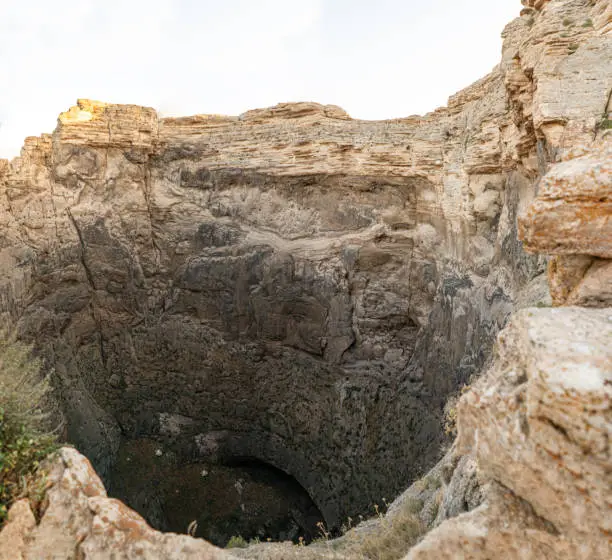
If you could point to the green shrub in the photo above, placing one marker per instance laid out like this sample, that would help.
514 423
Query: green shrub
236 542
435 507
432 482
24 442
588 23
605 124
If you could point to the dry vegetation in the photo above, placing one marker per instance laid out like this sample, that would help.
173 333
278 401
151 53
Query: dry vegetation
392 538
382 538
24 439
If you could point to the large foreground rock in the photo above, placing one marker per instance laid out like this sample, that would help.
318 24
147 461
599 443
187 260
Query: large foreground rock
539 424
80 521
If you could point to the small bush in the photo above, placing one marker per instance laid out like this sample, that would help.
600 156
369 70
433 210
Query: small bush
435 507
24 443
432 482
567 22
236 542
588 23
572 48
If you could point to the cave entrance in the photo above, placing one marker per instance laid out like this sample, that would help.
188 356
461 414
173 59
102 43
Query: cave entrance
242 497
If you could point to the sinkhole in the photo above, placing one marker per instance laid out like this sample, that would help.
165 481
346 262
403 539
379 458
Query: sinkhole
241 497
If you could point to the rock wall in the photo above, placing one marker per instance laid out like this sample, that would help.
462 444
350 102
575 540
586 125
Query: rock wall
536 426
293 285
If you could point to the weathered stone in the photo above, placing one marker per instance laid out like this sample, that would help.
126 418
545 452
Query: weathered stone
20 522
289 272
503 527
595 290
80 521
291 282
565 272
580 280
538 423
572 213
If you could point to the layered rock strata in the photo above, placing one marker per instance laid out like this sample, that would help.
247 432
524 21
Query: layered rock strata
292 285
538 423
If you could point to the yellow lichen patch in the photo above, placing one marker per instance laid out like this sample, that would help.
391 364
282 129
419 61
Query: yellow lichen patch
75 114
85 110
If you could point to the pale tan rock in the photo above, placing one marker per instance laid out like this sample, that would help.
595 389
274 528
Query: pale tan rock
572 213
595 289
565 272
66 520
121 229
580 280
20 522
118 216
537 4
80 521
102 124
571 218
119 532
539 421
504 527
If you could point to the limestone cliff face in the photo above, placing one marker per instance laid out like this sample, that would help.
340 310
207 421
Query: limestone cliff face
536 426
293 285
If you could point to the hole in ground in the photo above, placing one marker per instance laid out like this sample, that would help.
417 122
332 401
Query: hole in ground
242 497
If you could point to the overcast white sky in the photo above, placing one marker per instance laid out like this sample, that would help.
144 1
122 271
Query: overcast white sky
375 58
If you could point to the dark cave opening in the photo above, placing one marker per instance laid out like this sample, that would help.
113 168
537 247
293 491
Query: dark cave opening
241 497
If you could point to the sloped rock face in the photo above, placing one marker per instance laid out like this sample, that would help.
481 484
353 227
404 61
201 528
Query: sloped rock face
291 285
538 424
555 401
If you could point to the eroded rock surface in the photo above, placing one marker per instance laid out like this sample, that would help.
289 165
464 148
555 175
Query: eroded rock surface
571 218
79 521
538 424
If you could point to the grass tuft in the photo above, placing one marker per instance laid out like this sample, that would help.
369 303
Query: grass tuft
393 539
